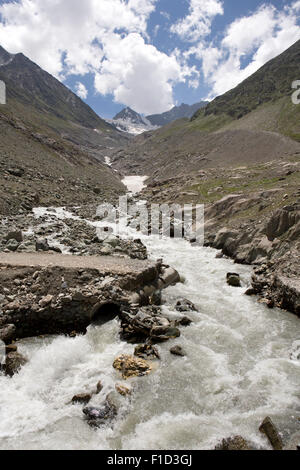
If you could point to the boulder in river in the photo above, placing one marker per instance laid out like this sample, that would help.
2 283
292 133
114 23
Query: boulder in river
99 416
233 443
7 333
82 398
123 390
130 366
185 305
14 362
269 429
233 280
184 321
146 351
164 333
177 351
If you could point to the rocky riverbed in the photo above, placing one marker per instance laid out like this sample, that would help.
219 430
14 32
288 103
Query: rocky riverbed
200 366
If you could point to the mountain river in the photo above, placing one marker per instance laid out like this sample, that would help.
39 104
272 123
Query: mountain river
240 366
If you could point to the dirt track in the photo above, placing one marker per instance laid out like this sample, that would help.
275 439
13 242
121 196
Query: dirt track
104 264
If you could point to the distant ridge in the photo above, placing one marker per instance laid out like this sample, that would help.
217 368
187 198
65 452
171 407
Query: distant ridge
131 122
178 112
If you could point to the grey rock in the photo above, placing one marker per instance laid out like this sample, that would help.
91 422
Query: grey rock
12 245
177 351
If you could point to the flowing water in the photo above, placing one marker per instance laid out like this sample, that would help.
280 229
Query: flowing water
239 368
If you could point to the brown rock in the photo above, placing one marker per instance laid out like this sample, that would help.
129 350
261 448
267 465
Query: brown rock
99 387
130 366
123 390
82 398
146 351
45 301
7 333
233 443
269 429
14 362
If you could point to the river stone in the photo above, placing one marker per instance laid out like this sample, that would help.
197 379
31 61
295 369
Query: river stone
82 398
233 280
233 443
177 351
14 362
269 429
123 390
251 291
7 333
184 321
130 366
185 305
146 351
100 416
99 387
160 334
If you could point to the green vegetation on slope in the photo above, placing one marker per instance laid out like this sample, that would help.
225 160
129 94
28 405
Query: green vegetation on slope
261 102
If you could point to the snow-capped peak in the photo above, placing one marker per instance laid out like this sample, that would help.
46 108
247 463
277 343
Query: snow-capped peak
131 122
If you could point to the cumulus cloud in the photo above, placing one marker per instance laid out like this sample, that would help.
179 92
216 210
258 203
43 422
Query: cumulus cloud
198 22
257 38
138 75
81 90
107 39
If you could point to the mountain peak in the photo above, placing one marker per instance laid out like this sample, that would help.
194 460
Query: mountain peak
5 57
128 113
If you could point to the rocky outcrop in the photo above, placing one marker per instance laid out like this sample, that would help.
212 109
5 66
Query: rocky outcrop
49 294
147 324
273 245
268 428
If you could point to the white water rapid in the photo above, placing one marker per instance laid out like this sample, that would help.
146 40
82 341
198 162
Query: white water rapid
238 369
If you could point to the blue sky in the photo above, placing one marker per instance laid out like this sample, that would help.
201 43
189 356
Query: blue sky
149 54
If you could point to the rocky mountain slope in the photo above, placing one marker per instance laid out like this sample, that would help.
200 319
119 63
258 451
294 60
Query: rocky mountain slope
47 106
226 132
51 142
178 112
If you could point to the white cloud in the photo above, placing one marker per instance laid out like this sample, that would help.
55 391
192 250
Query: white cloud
258 38
106 38
296 6
81 90
139 75
198 22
